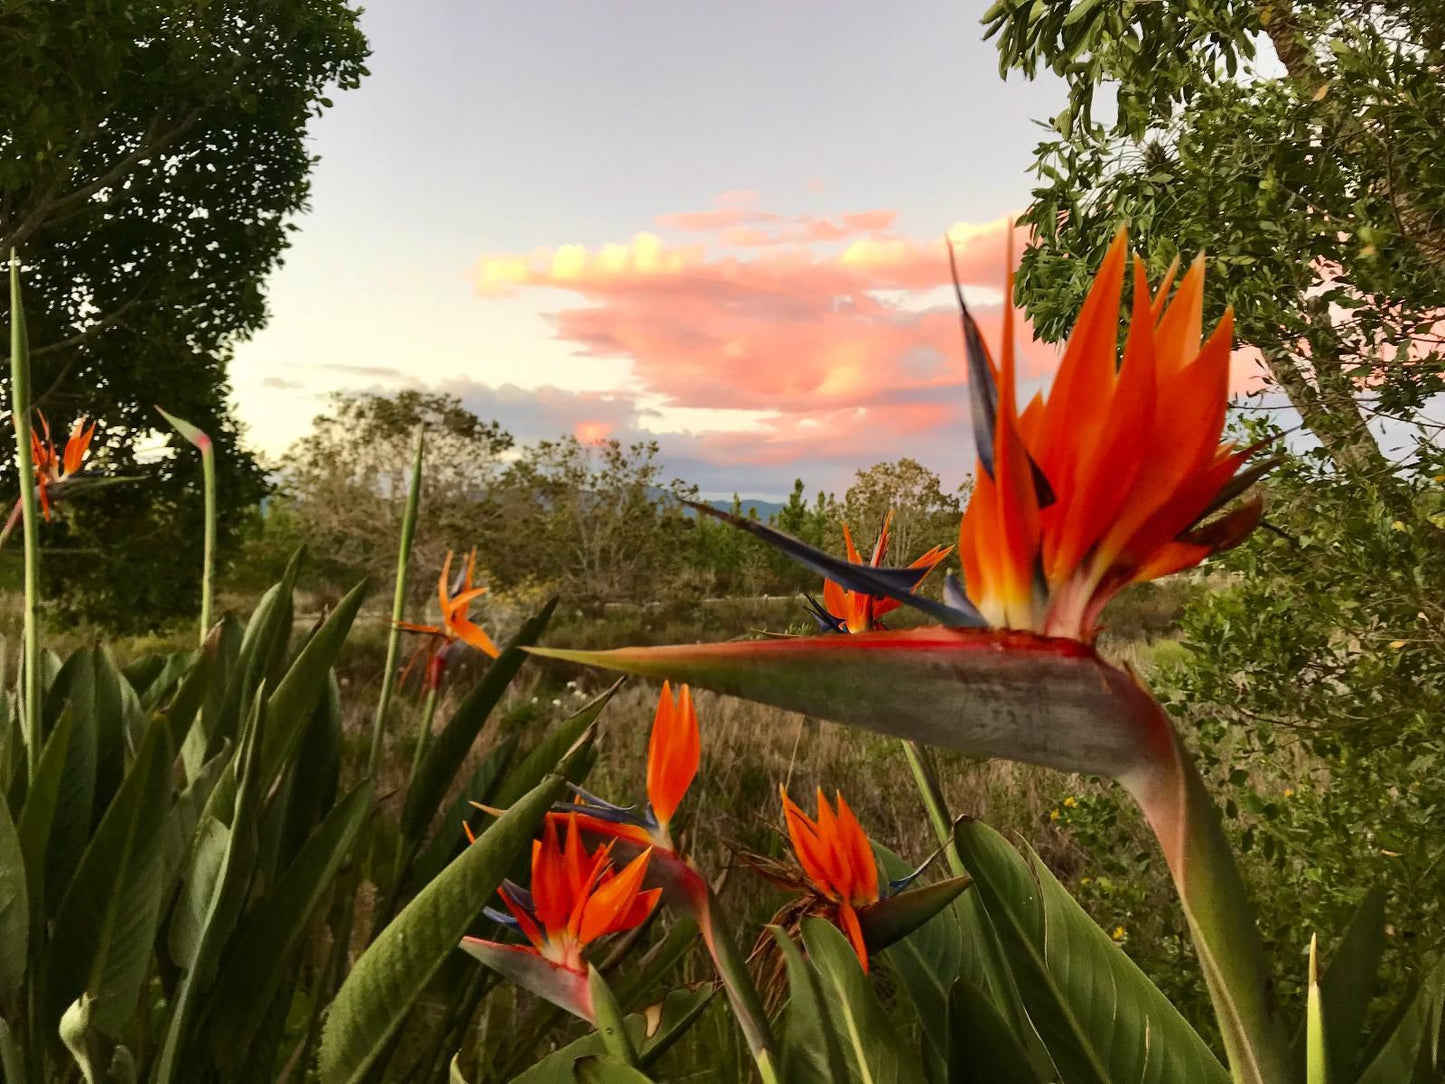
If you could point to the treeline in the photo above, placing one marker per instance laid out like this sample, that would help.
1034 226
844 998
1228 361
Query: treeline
593 522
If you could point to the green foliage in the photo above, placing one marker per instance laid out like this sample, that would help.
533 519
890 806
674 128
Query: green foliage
1317 193
151 158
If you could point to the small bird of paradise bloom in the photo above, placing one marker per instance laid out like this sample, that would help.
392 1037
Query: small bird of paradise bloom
837 861
53 469
857 611
576 897
456 627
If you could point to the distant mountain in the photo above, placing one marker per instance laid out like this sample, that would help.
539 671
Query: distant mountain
764 509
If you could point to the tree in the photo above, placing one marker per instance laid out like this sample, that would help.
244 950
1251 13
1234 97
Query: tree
344 485
1318 193
923 515
152 156
595 519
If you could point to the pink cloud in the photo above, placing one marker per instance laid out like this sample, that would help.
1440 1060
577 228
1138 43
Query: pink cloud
839 329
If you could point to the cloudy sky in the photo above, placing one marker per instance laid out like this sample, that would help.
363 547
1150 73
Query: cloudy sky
719 225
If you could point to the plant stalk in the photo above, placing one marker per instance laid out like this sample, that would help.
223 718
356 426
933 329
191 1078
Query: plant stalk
30 517
1218 909
398 607
208 558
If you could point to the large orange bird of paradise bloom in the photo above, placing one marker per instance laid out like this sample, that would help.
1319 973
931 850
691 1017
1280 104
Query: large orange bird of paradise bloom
454 601
1119 475
54 470
838 861
843 610
576 897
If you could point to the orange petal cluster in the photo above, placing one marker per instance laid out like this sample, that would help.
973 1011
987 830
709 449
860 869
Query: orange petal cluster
1131 450
577 896
455 624
860 612
837 860
672 754
51 466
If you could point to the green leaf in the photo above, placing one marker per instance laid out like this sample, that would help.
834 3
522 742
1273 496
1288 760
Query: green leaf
1348 984
445 755
14 906
222 906
450 837
601 1069
198 888
38 812
1408 1051
261 952
394 970
74 688
983 1048
289 708
608 1018
652 1033
107 919
873 1049
810 1049
1101 1019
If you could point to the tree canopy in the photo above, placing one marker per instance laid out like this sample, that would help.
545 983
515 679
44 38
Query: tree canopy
152 158
1297 144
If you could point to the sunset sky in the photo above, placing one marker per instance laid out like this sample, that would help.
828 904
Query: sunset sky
717 225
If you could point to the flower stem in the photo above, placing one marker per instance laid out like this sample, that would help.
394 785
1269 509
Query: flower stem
208 558
398 608
1218 910
423 733
30 517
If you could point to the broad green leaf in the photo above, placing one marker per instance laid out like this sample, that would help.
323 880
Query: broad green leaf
649 970
809 1050
39 809
1409 1050
874 1051
448 840
608 1019
316 775
198 888
223 906
1101 1019
14 906
263 650
652 1033
262 950
107 919
444 756
191 693
1348 984
290 706
602 1069
11 1068
73 691
116 703
550 750
394 970
185 816
983 1048
208 730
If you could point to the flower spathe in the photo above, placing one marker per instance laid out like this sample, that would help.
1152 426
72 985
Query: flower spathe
1110 479
576 896
837 860
845 610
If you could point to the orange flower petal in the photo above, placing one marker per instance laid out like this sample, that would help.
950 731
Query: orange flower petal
673 752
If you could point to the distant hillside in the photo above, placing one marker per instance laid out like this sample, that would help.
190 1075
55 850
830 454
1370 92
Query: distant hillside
764 509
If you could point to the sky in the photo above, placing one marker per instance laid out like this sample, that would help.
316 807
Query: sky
716 226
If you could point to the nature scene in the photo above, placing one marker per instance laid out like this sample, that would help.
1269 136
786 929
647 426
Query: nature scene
623 543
